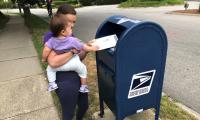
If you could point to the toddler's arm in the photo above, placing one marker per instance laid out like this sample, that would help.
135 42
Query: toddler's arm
89 47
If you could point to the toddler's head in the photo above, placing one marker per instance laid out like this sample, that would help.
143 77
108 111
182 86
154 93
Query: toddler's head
59 27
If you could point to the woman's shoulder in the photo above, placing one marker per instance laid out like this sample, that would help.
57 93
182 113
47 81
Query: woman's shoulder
47 36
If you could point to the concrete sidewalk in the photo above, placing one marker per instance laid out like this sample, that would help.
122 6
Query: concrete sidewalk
23 86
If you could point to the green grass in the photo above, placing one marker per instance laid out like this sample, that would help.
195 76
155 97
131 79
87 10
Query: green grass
3 20
155 3
170 111
37 26
57 3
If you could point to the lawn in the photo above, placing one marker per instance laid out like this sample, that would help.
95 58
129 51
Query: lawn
152 3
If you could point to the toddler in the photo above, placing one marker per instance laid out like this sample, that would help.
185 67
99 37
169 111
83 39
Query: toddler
62 42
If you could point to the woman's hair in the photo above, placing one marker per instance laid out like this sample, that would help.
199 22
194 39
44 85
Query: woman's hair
66 9
57 24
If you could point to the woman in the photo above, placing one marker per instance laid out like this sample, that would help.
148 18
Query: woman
68 82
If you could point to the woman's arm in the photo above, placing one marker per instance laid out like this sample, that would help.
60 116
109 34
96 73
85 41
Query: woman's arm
45 53
55 60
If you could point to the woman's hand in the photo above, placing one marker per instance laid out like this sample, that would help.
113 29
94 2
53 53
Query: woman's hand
55 60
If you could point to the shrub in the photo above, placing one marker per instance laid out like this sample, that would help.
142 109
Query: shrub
143 4
151 3
60 2
100 2
108 2
86 2
174 2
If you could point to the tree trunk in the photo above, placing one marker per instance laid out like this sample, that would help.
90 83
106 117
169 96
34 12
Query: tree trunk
20 7
26 9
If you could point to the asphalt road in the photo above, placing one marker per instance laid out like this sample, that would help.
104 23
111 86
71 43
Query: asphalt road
182 76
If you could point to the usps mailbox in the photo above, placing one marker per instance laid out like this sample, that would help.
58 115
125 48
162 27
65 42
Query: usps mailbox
130 75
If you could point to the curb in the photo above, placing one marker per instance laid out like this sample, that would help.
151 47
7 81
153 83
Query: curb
188 110
175 13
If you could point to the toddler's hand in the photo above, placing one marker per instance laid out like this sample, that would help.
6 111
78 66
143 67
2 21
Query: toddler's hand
96 47
91 41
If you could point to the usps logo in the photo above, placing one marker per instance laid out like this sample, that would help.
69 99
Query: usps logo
141 83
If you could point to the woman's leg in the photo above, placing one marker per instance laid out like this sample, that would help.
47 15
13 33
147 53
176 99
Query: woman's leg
82 105
68 86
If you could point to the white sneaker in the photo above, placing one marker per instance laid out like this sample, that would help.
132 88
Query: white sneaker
52 86
84 89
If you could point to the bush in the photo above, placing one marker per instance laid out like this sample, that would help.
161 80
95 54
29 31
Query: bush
100 2
142 4
86 2
108 2
60 2
174 2
145 3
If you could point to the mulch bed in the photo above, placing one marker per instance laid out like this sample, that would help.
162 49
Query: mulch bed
189 11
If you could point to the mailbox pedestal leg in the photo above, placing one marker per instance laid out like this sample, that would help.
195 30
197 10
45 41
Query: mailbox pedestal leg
101 107
118 117
157 113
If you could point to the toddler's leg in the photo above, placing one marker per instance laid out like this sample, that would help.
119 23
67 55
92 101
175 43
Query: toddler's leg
74 64
83 74
84 87
51 72
51 75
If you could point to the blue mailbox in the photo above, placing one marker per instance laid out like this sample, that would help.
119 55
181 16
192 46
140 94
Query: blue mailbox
130 75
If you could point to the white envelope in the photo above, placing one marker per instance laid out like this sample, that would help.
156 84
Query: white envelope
106 42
